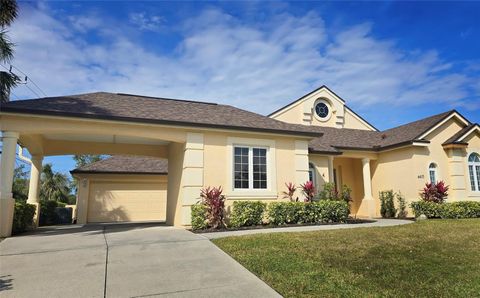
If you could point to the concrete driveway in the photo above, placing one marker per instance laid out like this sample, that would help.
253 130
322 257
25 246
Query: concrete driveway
121 261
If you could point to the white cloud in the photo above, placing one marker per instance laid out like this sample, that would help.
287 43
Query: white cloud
257 66
145 21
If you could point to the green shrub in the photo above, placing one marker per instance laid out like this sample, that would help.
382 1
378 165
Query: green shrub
280 213
199 217
324 212
387 204
402 206
429 209
22 217
247 213
48 216
464 209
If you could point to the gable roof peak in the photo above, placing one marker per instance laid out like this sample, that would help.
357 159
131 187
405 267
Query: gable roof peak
306 95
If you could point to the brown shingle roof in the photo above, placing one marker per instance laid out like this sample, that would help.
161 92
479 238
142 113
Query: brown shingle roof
123 164
335 139
413 130
135 108
454 139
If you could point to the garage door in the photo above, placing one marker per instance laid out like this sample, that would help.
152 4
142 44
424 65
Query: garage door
127 201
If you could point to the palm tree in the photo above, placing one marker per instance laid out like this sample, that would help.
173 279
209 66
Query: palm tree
54 186
8 13
86 159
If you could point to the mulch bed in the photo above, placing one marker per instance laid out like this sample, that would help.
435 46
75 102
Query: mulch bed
349 221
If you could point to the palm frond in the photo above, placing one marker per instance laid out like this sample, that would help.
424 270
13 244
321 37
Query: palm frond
6 47
7 82
8 12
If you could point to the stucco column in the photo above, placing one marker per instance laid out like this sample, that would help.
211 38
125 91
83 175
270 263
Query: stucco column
367 207
7 165
83 190
456 170
34 187
301 165
185 178
330 169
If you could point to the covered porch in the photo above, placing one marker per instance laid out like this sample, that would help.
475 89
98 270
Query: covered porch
353 169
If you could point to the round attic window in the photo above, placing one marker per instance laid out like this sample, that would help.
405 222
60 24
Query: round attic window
322 110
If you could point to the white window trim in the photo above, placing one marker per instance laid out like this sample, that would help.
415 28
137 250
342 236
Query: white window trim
250 168
251 193
469 185
437 172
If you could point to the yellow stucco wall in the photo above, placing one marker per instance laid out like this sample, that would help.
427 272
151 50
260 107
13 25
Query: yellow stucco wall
218 154
406 169
349 172
394 170
321 169
352 121
302 112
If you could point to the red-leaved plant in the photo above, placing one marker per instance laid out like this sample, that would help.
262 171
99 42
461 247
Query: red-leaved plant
434 192
215 202
308 189
291 188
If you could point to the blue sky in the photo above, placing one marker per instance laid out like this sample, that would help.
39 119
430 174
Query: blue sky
393 62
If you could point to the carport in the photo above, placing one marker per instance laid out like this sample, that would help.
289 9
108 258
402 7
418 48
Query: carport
98 123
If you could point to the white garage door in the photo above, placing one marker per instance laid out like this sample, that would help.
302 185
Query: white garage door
127 201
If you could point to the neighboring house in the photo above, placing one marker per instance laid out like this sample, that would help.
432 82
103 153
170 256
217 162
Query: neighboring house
251 156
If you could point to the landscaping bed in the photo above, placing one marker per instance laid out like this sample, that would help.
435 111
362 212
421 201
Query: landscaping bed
438 258
268 226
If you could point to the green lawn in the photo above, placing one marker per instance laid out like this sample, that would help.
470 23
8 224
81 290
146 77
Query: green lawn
434 258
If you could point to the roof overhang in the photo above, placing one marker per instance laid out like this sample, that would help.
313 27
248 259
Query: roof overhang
453 114
184 124
455 146
74 172
475 128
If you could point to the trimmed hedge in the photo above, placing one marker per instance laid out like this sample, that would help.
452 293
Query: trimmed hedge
247 213
465 209
22 217
199 217
250 213
281 213
325 211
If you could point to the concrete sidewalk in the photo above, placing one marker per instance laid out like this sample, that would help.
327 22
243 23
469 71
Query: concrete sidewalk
378 223
122 261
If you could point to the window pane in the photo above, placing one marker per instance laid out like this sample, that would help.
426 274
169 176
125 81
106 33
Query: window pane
478 177
472 177
474 157
241 167
259 168
433 179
